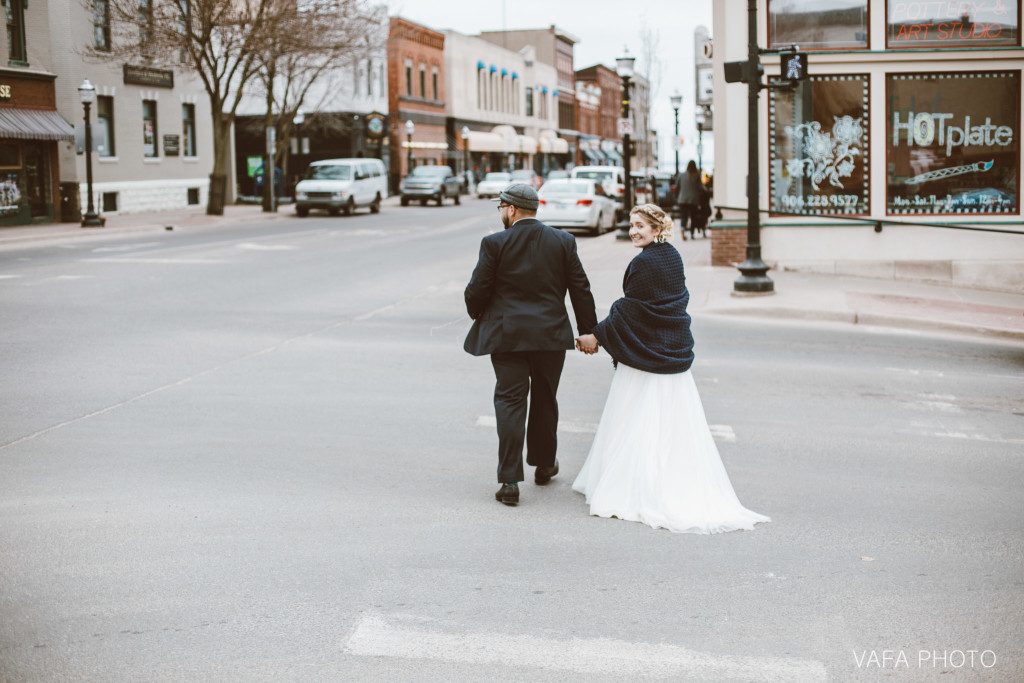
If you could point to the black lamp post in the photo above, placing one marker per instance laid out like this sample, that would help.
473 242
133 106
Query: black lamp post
410 128
87 93
753 270
677 101
624 68
465 155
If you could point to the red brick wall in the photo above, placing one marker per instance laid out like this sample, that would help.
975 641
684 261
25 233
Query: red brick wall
728 245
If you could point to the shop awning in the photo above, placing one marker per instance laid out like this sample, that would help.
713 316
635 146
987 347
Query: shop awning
612 154
593 155
559 146
34 124
480 141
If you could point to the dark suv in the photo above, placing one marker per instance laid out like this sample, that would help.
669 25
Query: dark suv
430 182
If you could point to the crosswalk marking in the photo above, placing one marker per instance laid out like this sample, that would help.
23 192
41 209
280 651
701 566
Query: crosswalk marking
719 432
375 637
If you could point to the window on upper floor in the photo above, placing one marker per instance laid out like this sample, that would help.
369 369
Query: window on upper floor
105 119
435 84
101 24
16 31
529 101
408 77
952 24
145 23
818 24
423 81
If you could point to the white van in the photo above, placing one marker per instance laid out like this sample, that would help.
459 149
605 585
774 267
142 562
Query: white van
342 185
612 177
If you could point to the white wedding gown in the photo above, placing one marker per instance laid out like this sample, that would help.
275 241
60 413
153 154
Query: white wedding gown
654 460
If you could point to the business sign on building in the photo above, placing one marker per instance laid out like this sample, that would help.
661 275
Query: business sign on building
144 75
956 23
819 153
953 143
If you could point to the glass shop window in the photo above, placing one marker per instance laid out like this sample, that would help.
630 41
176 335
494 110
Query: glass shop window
149 131
819 147
920 23
818 24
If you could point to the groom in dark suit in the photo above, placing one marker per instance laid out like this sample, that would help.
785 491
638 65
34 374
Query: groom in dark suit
516 298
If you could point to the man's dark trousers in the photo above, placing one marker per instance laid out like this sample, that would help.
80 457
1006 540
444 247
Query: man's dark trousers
522 374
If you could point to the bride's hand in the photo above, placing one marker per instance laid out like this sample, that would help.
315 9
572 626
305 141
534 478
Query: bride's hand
587 343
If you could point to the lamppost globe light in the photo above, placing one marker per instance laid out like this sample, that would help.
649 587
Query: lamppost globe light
300 118
410 127
87 92
624 64
676 99
465 132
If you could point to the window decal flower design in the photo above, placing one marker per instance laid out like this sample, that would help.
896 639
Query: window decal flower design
827 156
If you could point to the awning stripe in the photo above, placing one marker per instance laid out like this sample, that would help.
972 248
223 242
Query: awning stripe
34 124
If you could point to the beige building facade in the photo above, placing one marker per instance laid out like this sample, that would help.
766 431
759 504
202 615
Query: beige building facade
908 118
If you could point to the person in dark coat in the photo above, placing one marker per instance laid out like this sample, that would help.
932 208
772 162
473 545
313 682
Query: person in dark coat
516 298
692 198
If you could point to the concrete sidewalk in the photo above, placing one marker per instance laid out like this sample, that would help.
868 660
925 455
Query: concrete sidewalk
890 303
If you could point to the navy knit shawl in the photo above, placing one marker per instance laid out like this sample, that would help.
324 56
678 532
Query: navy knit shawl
649 329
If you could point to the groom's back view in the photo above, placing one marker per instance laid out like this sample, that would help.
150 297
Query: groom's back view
516 298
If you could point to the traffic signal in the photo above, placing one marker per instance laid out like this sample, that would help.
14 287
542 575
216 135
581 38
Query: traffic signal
794 66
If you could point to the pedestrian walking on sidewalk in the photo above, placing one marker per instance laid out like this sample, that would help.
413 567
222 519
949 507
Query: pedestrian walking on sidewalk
692 198
653 459
516 298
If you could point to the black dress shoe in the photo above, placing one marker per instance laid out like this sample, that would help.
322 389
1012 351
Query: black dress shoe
543 474
508 494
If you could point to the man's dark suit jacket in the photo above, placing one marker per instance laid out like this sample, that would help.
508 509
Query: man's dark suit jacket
517 293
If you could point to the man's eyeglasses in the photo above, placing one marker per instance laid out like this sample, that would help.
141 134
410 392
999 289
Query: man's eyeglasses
502 206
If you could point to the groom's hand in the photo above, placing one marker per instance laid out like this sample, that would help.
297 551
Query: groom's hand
587 343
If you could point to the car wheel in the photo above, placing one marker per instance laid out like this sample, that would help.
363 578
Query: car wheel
595 229
441 197
375 207
334 211
301 211
405 201
350 207
423 202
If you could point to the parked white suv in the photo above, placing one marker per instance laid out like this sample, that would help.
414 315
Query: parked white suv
612 177
341 185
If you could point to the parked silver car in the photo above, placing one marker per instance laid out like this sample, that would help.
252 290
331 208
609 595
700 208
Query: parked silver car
430 182
493 184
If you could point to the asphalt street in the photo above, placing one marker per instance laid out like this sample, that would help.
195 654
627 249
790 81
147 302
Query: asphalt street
258 452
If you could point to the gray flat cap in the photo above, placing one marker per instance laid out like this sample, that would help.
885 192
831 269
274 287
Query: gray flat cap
520 195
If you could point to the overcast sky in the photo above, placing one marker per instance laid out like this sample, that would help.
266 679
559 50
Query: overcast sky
604 28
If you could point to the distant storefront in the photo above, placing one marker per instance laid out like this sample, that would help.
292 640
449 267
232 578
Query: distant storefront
30 130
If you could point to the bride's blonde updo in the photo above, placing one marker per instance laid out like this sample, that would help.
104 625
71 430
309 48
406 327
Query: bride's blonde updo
654 215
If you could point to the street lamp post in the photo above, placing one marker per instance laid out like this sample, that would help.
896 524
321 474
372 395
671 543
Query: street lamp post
410 128
87 93
700 138
465 155
677 100
753 271
298 120
624 68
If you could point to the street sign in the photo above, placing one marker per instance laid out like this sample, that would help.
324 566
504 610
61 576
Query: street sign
625 126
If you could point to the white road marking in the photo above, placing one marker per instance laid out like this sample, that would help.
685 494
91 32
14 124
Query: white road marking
10 277
719 432
374 637
177 261
127 247
974 437
256 246
563 426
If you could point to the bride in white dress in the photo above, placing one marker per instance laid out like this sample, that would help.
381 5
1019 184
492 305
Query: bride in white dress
653 459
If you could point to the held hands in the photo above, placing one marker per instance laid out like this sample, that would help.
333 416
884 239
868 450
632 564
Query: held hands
587 343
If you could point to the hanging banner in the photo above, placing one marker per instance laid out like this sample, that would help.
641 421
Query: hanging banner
953 143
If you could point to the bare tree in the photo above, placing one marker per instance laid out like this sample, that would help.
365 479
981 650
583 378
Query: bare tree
224 43
651 70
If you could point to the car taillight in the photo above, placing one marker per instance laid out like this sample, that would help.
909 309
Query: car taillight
542 201
584 202
622 190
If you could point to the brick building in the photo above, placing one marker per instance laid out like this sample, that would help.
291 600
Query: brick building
415 94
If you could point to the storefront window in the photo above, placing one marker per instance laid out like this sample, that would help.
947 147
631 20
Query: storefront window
952 143
149 148
819 147
926 23
818 24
